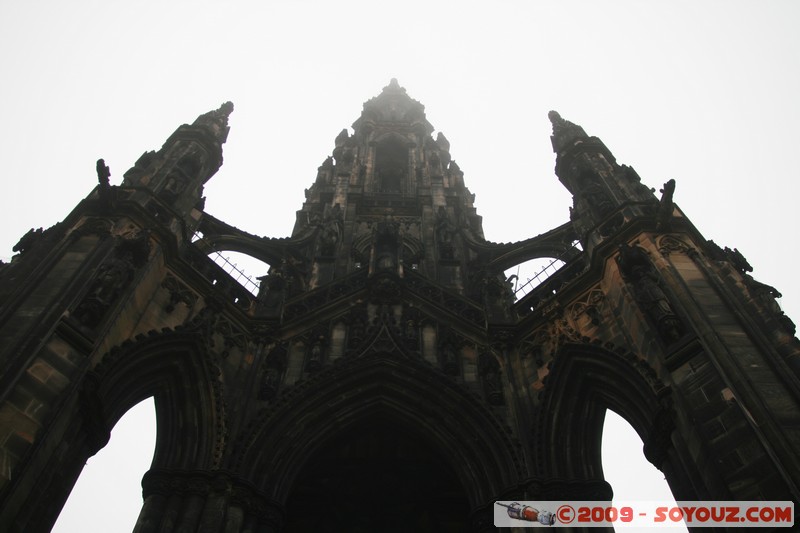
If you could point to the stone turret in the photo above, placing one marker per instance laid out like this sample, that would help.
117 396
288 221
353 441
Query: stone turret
605 194
177 172
389 186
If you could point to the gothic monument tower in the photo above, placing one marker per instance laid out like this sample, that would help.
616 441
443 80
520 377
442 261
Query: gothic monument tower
385 374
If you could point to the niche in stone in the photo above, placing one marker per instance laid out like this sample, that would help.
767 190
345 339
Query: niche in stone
391 165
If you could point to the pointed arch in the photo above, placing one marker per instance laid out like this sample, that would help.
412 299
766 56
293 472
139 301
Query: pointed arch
392 163
175 368
408 392
583 382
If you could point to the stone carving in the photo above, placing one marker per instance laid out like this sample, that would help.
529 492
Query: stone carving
28 241
232 336
316 351
766 296
435 164
331 232
598 199
489 370
217 121
589 305
185 171
668 244
665 206
272 290
103 175
497 294
565 132
178 293
734 257
95 226
638 271
445 231
137 171
358 326
448 345
344 160
411 331
275 365
113 276
173 186
386 244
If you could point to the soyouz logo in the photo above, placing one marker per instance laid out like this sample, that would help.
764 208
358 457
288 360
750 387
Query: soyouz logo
655 514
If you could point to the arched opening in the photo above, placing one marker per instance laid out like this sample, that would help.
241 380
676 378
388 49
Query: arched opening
391 165
108 493
432 420
245 269
377 476
526 276
625 468
586 380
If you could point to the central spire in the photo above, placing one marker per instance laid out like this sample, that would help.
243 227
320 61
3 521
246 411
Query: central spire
389 198
393 107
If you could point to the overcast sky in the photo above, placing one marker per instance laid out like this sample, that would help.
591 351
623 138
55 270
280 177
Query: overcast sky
704 92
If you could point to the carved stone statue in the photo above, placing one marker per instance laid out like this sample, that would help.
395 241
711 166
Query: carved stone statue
358 327
112 277
273 289
315 354
275 366
331 232
599 201
638 271
489 370
445 231
270 384
103 174
766 296
28 241
665 206
412 335
386 244
449 358
497 294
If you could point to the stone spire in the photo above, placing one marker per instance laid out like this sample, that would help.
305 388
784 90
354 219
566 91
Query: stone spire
565 133
393 107
217 121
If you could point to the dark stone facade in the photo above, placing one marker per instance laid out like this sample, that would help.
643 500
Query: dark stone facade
385 359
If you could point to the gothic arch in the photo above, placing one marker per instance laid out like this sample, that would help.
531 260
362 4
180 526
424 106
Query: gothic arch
403 390
583 382
391 163
177 371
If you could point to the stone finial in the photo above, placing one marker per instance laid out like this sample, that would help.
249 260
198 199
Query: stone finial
565 132
394 87
103 174
217 121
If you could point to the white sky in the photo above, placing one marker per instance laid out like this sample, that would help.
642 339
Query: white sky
705 92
